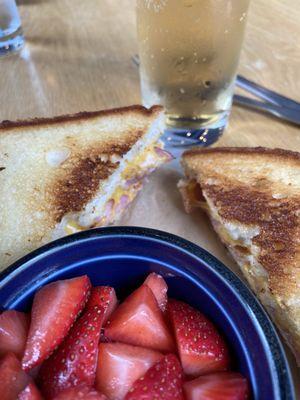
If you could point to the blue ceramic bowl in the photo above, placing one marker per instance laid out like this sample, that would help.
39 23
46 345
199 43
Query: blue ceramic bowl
122 257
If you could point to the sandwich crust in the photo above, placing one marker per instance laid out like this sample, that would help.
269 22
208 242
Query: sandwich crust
82 116
253 200
277 153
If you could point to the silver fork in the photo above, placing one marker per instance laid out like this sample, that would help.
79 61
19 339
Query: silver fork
274 103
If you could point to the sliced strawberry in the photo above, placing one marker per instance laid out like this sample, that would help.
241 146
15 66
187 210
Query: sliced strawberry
139 321
162 381
103 338
219 386
120 365
12 378
74 362
31 392
159 288
104 296
33 373
55 306
14 327
80 392
200 346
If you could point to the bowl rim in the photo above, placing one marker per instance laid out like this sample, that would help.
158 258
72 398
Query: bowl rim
285 380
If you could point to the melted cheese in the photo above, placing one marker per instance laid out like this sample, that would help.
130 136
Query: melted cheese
141 163
72 226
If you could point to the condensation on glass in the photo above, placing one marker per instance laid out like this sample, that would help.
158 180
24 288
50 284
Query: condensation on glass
189 52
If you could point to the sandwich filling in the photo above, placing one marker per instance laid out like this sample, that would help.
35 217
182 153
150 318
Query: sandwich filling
234 235
130 182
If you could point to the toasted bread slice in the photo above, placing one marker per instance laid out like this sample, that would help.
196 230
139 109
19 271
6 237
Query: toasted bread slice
252 196
69 173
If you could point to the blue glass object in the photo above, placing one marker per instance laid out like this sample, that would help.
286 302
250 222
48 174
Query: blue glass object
11 35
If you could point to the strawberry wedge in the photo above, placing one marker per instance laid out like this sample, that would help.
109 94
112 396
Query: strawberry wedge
14 327
31 392
120 365
74 362
81 392
12 378
140 322
162 381
54 310
200 346
219 386
159 288
103 296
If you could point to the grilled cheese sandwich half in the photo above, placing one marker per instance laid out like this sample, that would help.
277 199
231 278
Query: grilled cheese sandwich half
65 174
252 197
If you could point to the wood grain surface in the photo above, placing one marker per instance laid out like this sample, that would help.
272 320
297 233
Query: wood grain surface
78 57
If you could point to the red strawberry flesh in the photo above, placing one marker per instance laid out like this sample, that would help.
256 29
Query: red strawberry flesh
120 365
159 288
104 296
162 381
14 327
74 363
12 378
103 338
140 322
80 392
55 306
218 386
201 348
31 392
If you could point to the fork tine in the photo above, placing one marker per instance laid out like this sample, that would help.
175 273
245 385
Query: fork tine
266 94
135 58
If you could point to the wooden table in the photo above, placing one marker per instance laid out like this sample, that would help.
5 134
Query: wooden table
78 57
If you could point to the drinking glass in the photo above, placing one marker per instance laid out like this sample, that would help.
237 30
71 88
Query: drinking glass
11 36
189 52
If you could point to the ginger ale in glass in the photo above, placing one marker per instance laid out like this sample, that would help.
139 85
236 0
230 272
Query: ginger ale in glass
189 52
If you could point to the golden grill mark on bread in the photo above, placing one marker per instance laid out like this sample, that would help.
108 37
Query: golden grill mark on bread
78 180
278 223
80 184
79 117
